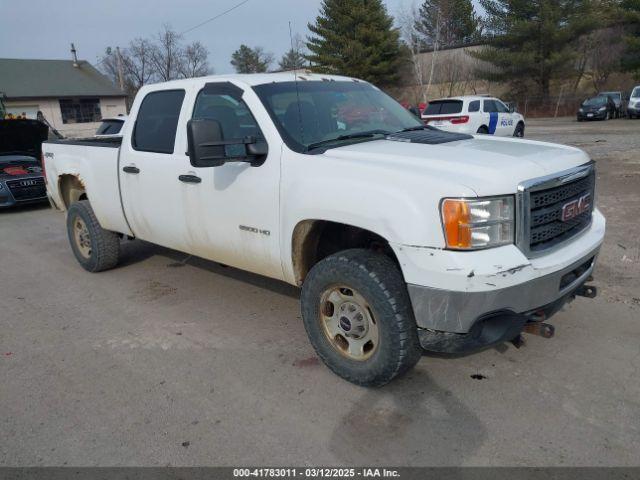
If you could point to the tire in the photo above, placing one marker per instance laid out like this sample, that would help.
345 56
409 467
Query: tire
519 131
483 130
367 284
95 248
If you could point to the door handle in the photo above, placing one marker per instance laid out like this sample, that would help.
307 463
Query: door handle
189 179
130 169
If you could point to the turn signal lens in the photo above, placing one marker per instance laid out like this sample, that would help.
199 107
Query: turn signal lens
472 224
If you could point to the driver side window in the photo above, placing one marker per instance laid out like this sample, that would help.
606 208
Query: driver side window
236 121
502 108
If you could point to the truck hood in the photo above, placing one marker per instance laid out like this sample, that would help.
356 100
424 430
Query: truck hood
486 165
22 137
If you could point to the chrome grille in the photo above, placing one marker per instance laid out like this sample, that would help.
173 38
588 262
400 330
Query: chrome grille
543 225
27 188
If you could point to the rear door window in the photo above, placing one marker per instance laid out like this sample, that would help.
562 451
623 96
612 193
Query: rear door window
444 107
157 121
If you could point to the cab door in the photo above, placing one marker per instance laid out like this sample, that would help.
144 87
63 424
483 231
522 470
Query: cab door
149 167
232 213
506 122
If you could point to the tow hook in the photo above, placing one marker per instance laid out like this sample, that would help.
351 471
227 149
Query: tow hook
587 291
541 329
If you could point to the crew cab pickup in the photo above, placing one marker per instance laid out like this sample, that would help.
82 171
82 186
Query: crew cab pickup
402 237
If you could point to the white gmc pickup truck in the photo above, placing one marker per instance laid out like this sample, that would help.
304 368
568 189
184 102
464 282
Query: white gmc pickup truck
403 237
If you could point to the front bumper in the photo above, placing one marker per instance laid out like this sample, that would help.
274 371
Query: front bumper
455 292
36 194
458 311
503 312
594 115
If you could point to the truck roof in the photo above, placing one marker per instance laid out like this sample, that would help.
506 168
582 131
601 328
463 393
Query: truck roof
253 79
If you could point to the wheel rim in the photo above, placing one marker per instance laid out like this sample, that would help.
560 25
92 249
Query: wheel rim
82 237
348 323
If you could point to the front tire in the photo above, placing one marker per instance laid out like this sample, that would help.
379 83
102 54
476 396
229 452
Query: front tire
358 316
519 131
95 248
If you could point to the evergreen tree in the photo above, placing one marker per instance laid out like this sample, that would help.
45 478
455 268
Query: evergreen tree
445 23
250 60
294 58
631 58
532 40
355 38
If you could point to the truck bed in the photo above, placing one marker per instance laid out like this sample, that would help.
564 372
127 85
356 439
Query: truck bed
94 164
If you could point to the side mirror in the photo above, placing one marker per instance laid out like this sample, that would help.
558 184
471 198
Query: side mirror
204 137
208 149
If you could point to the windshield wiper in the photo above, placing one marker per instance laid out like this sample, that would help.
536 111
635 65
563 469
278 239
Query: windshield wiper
350 136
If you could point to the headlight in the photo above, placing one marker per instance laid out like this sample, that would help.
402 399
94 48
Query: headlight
473 224
581 110
602 109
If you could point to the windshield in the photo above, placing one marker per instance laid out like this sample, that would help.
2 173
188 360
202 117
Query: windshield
636 92
595 102
329 111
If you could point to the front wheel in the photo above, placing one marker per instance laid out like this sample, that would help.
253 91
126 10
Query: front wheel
95 248
358 316
519 131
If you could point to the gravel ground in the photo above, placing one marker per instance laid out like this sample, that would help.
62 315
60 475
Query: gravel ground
167 363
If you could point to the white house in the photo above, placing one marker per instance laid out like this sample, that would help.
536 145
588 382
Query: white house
72 96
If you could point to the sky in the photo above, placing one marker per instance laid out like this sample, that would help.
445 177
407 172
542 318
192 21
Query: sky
44 29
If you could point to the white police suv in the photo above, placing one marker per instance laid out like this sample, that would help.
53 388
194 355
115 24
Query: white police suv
474 114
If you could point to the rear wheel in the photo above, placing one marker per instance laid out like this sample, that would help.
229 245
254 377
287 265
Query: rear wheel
358 316
483 130
95 248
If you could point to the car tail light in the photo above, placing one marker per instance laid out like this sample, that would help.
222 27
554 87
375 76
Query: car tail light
452 120
459 120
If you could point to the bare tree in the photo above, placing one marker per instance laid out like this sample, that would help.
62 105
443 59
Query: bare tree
605 52
408 19
108 64
194 61
166 54
137 62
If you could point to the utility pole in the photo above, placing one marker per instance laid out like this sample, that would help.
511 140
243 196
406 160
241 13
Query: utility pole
119 62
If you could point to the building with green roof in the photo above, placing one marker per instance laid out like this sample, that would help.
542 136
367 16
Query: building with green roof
73 96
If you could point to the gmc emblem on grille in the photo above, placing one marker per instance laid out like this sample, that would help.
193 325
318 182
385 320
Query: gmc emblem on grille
576 207
28 183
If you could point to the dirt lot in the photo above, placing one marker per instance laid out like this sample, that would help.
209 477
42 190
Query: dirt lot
161 362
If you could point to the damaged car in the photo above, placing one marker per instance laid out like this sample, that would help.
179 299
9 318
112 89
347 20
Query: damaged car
21 174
